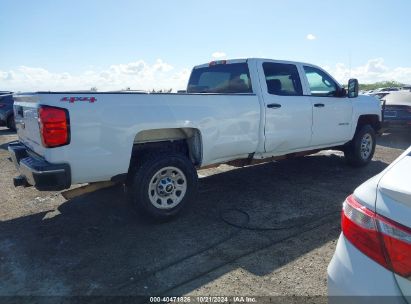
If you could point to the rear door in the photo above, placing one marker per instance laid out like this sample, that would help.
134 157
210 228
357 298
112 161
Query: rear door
288 113
332 115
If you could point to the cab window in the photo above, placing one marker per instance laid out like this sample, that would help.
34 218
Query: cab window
282 79
320 83
231 78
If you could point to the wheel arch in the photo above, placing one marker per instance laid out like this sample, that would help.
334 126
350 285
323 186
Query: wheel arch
369 119
184 140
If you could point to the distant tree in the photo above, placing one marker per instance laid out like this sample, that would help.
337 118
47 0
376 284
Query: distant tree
381 84
161 91
93 89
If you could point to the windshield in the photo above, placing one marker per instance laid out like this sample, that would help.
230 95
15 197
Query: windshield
221 78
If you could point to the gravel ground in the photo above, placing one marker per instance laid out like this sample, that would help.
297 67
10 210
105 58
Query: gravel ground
265 230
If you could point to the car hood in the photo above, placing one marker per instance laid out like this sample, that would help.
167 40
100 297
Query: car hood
401 98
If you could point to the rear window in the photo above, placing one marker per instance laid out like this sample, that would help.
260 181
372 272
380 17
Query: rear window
221 78
282 79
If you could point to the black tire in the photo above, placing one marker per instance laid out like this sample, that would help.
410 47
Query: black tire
11 124
360 150
139 188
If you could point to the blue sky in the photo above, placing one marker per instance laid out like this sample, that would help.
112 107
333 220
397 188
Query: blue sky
42 40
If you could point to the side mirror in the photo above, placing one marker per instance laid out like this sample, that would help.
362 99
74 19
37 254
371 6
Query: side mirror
352 88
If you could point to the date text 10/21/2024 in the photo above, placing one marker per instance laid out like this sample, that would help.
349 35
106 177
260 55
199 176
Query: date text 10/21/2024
203 299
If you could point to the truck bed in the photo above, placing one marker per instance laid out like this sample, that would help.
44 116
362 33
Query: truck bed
104 126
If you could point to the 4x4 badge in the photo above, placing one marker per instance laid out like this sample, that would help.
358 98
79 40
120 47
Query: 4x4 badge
74 99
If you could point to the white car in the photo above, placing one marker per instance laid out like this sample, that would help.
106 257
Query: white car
235 111
373 254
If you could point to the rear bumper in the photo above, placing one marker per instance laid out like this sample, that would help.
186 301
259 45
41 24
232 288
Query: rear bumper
38 172
355 278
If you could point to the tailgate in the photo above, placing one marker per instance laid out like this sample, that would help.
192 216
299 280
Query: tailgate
27 124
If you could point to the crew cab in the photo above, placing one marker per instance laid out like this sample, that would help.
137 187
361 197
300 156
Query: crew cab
239 112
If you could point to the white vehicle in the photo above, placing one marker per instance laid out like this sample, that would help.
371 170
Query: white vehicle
237 111
373 254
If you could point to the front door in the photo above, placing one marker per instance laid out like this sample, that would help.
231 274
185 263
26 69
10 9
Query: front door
332 114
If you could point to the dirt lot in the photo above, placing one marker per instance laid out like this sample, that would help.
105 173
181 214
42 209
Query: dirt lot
227 243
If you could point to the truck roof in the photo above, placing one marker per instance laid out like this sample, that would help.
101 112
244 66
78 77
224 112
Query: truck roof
240 60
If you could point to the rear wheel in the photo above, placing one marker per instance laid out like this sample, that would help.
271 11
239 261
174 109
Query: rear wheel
11 124
162 185
361 149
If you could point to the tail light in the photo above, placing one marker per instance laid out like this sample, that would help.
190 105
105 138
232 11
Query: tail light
54 126
383 240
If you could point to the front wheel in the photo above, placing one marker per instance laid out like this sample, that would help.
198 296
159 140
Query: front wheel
163 184
360 150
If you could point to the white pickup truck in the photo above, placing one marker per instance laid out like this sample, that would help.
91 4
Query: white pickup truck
236 111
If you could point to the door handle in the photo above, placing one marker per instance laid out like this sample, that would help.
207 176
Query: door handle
319 105
273 106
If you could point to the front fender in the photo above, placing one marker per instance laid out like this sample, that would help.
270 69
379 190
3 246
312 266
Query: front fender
365 105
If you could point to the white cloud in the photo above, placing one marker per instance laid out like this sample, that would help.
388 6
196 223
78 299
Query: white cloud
138 75
311 37
183 75
162 66
218 55
132 68
372 71
7 75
